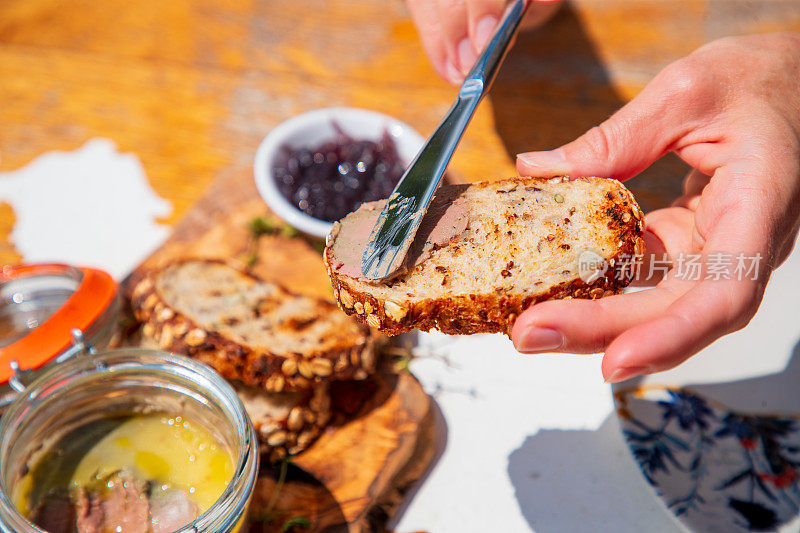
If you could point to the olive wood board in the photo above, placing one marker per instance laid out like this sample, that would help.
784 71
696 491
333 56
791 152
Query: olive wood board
355 475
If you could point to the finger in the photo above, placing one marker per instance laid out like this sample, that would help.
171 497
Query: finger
425 15
455 34
585 326
588 326
484 15
693 185
694 182
705 313
668 234
540 12
658 120
737 227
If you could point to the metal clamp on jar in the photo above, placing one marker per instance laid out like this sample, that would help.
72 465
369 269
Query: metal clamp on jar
48 314
68 404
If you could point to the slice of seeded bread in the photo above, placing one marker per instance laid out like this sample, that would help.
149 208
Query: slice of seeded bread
249 330
286 422
525 240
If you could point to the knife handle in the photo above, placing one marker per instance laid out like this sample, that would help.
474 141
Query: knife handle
484 71
428 168
400 218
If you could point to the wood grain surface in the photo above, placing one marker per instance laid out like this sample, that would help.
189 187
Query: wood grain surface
191 86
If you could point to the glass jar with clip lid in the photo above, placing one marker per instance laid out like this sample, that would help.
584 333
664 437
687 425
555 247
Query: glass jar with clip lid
127 440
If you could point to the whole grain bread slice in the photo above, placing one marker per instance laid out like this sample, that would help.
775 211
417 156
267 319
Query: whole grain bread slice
286 422
250 330
524 240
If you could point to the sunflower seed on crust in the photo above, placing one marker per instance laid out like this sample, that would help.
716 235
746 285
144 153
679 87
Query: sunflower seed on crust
638 248
142 287
289 367
276 383
180 329
374 321
341 363
195 337
295 421
394 310
305 438
278 438
346 299
304 367
321 367
165 339
150 302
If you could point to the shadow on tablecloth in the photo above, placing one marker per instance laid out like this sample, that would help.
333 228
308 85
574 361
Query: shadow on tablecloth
722 457
574 480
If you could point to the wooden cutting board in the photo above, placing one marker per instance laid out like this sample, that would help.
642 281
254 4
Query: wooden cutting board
354 477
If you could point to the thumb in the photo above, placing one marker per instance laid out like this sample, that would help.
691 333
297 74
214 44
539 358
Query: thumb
629 141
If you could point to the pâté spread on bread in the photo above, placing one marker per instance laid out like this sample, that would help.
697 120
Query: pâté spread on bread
488 251
447 219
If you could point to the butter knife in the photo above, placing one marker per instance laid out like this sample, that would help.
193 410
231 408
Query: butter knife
401 216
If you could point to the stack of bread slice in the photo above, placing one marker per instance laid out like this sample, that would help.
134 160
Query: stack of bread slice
280 350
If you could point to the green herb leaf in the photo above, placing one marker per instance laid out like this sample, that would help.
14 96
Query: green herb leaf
297 521
288 231
262 226
402 364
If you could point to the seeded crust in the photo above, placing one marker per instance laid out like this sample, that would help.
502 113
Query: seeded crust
286 422
341 349
499 242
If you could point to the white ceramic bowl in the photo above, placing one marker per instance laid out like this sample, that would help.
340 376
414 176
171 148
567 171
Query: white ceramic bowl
313 128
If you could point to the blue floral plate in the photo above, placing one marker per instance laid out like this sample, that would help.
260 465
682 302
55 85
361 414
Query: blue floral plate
715 468
718 438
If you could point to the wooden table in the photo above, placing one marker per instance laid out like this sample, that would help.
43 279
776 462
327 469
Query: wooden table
191 86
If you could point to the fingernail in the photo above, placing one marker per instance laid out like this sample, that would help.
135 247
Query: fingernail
537 339
453 75
625 373
466 55
550 162
484 30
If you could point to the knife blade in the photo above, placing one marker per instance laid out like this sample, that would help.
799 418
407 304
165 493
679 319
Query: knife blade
394 232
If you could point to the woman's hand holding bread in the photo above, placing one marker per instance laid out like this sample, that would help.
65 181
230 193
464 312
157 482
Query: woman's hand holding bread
731 110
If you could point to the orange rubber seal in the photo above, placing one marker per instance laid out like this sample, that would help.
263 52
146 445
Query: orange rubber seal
94 294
